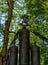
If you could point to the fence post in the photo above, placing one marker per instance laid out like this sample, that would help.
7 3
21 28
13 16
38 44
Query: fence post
12 55
35 55
24 47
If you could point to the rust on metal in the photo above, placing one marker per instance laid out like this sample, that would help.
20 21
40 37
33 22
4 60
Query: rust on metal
35 55
24 47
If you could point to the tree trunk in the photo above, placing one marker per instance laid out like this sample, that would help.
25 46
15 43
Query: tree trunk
6 31
1 60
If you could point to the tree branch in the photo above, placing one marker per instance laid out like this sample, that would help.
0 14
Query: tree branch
41 36
7 25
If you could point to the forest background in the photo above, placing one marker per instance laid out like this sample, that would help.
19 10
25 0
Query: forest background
37 10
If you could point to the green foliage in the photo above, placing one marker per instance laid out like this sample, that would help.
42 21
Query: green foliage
38 19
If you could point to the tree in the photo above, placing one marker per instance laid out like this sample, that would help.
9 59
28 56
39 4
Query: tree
38 19
6 32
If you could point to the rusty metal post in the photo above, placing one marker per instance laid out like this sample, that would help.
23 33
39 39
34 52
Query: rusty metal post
13 54
35 55
24 47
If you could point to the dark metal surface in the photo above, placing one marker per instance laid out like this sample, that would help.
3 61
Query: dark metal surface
35 55
12 55
24 47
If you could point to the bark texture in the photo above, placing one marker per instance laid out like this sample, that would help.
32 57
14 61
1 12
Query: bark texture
6 31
